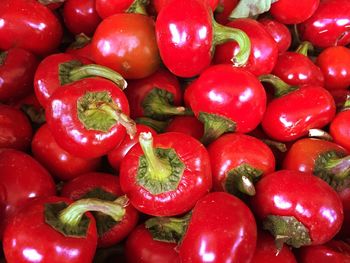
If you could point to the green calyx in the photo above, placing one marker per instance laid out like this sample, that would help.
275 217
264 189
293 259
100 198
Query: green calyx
304 48
70 220
281 88
241 179
158 126
334 168
223 34
97 111
138 7
287 229
81 40
64 70
160 170
3 56
168 229
215 126
158 104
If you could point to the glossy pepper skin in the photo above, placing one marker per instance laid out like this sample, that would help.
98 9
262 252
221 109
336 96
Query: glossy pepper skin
339 129
49 245
190 161
328 26
68 127
30 25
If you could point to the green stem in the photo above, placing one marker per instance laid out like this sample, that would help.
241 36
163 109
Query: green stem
158 170
93 70
158 126
48 2
339 167
304 47
74 212
346 105
278 145
81 40
138 7
281 88
223 34
320 134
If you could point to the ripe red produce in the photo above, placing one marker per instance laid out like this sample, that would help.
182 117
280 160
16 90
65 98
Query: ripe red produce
220 228
157 96
296 68
17 68
279 32
293 12
81 47
335 251
329 25
186 124
22 179
339 127
15 128
165 176
159 4
344 195
127 44
237 161
30 25
226 99
223 10
266 251
80 16
30 238
88 118
264 49
298 208
116 155
106 8
296 110
52 4
334 64
141 247
104 186
187 36
57 161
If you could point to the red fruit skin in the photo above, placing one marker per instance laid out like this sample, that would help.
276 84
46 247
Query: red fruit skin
328 26
283 121
264 49
230 92
221 229
22 178
231 150
159 4
266 251
334 64
227 6
49 245
302 155
344 232
184 37
106 8
17 74
297 69
302 195
57 161
81 185
82 52
15 129
116 155
70 133
335 251
80 16
186 124
47 79
138 89
339 129
29 25
285 11
196 180
140 247
279 32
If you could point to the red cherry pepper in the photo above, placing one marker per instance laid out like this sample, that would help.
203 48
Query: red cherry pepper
187 36
226 99
238 161
298 208
223 10
30 25
17 68
106 8
293 12
186 124
81 47
284 121
264 50
57 161
166 175
52 4
339 127
329 25
103 186
344 195
159 4
88 118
